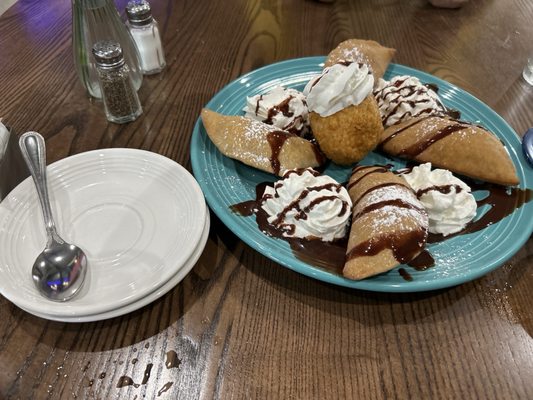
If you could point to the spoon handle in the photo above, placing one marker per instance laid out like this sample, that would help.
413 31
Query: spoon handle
34 153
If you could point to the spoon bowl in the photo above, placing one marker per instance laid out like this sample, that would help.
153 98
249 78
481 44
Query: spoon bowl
59 271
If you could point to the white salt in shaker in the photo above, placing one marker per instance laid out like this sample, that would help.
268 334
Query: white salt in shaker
145 32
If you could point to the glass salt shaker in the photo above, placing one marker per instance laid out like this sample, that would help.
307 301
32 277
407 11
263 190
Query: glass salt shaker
145 32
120 98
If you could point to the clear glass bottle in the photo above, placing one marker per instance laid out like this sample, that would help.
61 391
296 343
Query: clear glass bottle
120 98
145 32
527 73
92 21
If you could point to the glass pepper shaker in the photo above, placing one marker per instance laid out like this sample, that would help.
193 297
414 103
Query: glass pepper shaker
120 98
92 21
145 32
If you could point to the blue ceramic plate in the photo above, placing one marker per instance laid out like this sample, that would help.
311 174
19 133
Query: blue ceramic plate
459 259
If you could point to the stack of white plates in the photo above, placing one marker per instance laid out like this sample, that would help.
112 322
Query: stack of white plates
141 218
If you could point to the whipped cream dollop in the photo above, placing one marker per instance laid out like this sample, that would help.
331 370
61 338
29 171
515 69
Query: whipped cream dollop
406 97
307 205
448 200
283 108
339 86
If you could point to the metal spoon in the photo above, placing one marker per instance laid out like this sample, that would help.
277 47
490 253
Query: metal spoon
59 271
527 145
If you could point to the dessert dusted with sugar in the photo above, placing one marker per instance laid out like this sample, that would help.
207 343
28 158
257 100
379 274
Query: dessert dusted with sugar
369 52
280 107
383 218
344 115
308 205
405 97
260 145
339 86
389 224
458 146
447 199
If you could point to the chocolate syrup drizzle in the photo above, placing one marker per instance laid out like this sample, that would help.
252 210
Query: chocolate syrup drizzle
276 140
444 189
408 91
282 107
329 256
502 202
332 256
404 245
417 148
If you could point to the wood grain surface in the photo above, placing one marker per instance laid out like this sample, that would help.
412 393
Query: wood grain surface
239 326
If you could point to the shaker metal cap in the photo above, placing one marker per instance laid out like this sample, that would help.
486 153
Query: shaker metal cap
108 54
139 12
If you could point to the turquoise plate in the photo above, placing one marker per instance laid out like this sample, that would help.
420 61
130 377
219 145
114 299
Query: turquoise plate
459 259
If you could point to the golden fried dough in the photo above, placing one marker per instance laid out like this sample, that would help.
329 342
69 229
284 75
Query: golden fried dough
350 134
260 145
369 52
458 146
389 224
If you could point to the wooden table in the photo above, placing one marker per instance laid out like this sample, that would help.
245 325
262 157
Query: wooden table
239 326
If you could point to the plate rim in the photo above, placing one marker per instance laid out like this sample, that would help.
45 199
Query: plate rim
70 308
314 272
146 300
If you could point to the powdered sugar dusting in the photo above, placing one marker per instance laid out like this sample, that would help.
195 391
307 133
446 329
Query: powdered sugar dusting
396 192
355 54
397 217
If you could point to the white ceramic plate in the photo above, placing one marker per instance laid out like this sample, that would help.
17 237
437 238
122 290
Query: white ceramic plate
138 216
177 278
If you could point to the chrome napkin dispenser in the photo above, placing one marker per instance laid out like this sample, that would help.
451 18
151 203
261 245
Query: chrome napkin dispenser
13 170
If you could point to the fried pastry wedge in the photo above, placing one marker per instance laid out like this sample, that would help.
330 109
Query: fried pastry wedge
369 52
460 147
260 145
350 134
389 224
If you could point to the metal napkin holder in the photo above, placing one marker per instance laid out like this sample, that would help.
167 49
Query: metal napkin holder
13 170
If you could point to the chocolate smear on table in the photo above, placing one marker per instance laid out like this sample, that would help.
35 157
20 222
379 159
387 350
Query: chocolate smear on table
147 372
165 388
126 381
172 360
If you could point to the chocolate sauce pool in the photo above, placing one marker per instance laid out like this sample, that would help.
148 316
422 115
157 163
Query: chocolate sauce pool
331 256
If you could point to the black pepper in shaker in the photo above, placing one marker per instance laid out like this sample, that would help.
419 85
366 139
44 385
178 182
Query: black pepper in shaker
121 102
